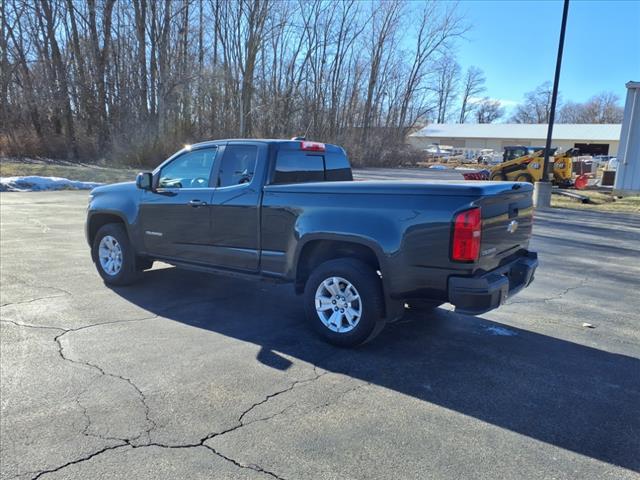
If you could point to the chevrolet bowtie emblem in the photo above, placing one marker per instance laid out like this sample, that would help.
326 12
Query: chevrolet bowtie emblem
513 226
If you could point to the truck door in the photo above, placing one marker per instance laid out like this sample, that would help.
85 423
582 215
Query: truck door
235 208
175 218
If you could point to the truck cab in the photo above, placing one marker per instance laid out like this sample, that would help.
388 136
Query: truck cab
203 203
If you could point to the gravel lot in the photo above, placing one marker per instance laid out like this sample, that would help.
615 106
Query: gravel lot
187 375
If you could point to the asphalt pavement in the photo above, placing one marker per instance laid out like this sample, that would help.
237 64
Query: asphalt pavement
186 375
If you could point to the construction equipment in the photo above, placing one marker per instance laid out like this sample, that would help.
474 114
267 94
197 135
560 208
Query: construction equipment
529 167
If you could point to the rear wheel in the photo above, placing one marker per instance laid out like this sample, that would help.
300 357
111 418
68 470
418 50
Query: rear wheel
344 302
498 176
524 177
113 255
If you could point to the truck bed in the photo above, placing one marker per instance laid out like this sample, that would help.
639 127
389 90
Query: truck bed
392 187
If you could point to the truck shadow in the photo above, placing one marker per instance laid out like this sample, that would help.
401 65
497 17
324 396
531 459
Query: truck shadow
565 394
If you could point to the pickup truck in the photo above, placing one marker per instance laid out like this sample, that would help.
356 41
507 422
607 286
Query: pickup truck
359 252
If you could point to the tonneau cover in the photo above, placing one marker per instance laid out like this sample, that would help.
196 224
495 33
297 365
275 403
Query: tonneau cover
418 187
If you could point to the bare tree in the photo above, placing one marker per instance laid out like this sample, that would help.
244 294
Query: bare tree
601 108
436 31
253 15
384 26
488 110
536 107
140 9
448 76
131 79
473 85
604 108
5 74
46 14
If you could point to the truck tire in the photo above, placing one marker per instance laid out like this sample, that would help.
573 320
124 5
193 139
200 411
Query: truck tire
498 176
113 255
344 302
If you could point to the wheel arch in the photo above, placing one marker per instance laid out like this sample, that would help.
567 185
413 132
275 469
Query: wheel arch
318 250
99 219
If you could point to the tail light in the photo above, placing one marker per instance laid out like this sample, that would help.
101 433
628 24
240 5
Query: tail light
312 146
467 229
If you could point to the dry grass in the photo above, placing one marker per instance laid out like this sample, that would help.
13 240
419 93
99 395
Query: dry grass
601 201
14 167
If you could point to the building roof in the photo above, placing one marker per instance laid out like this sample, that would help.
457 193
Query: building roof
538 131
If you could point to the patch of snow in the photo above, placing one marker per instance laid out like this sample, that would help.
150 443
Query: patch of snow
500 331
466 169
36 183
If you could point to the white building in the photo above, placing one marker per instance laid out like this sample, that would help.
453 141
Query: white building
591 139
628 174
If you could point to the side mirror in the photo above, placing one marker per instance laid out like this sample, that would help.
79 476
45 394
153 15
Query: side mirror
144 181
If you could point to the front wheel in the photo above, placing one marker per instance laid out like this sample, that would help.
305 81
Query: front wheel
113 255
524 177
498 176
344 302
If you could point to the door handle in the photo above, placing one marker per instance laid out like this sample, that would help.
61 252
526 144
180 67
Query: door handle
197 203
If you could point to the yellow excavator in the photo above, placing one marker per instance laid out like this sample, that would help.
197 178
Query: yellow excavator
525 164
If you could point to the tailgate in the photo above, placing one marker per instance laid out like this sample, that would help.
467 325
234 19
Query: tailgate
507 220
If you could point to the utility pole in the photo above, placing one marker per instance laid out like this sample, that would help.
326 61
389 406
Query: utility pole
542 190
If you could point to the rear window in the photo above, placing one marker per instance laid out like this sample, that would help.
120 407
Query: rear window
294 166
297 167
337 167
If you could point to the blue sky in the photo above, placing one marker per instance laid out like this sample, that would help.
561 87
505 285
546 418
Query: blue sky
516 43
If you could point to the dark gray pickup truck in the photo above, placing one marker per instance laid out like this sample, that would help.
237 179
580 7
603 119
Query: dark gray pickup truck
360 252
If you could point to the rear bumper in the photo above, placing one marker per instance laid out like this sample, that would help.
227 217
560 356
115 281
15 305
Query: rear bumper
476 295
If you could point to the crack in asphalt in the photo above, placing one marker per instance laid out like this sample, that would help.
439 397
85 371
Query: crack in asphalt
201 443
60 348
23 302
63 292
88 423
76 329
126 443
557 296
240 422
73 462
150 422
256 468
27 325
338 398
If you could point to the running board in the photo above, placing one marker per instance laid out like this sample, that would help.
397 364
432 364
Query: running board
224 271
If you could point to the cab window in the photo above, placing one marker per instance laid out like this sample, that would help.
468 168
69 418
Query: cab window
189 170
238 165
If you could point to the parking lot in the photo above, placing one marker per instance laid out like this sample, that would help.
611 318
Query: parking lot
186 375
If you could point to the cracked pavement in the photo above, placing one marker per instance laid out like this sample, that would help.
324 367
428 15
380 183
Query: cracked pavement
186 375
